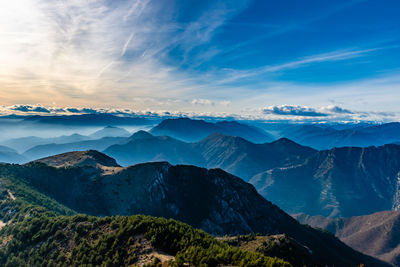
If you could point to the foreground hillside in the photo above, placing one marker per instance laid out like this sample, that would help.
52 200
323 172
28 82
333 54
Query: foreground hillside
377 234
118 241
36 230
90 182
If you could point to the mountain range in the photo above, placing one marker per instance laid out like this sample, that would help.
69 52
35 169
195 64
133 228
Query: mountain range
340 182
93 183
330 136
233 154
346 181
36 147
191 130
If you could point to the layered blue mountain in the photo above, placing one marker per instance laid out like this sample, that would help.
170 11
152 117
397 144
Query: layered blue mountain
110 131
36 147
41 151
24 143
330 136
10 155
190 130
233 154
89 120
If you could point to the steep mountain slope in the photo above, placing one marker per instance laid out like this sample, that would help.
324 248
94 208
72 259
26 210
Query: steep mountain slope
193 130
246 159
224 204
377 234
344 182
233 154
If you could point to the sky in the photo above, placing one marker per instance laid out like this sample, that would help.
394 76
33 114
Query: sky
289 59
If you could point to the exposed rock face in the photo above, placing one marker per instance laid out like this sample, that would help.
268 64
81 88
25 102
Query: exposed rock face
377 234
213 200
339 182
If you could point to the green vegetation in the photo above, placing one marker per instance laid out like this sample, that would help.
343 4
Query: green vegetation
280 246
43 240
42 232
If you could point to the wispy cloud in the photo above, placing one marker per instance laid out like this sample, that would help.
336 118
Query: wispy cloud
337 55
208 102
91 52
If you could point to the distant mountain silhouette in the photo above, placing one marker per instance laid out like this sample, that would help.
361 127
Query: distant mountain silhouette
327 137
193 130
10 155
24 143
377 234
110 131
46 150
89 120
144 147
36 147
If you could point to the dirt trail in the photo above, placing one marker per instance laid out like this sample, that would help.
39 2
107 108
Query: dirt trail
11 195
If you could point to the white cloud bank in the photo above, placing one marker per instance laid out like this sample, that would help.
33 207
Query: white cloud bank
294 113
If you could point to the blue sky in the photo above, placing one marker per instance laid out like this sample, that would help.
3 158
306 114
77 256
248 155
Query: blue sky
261 59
